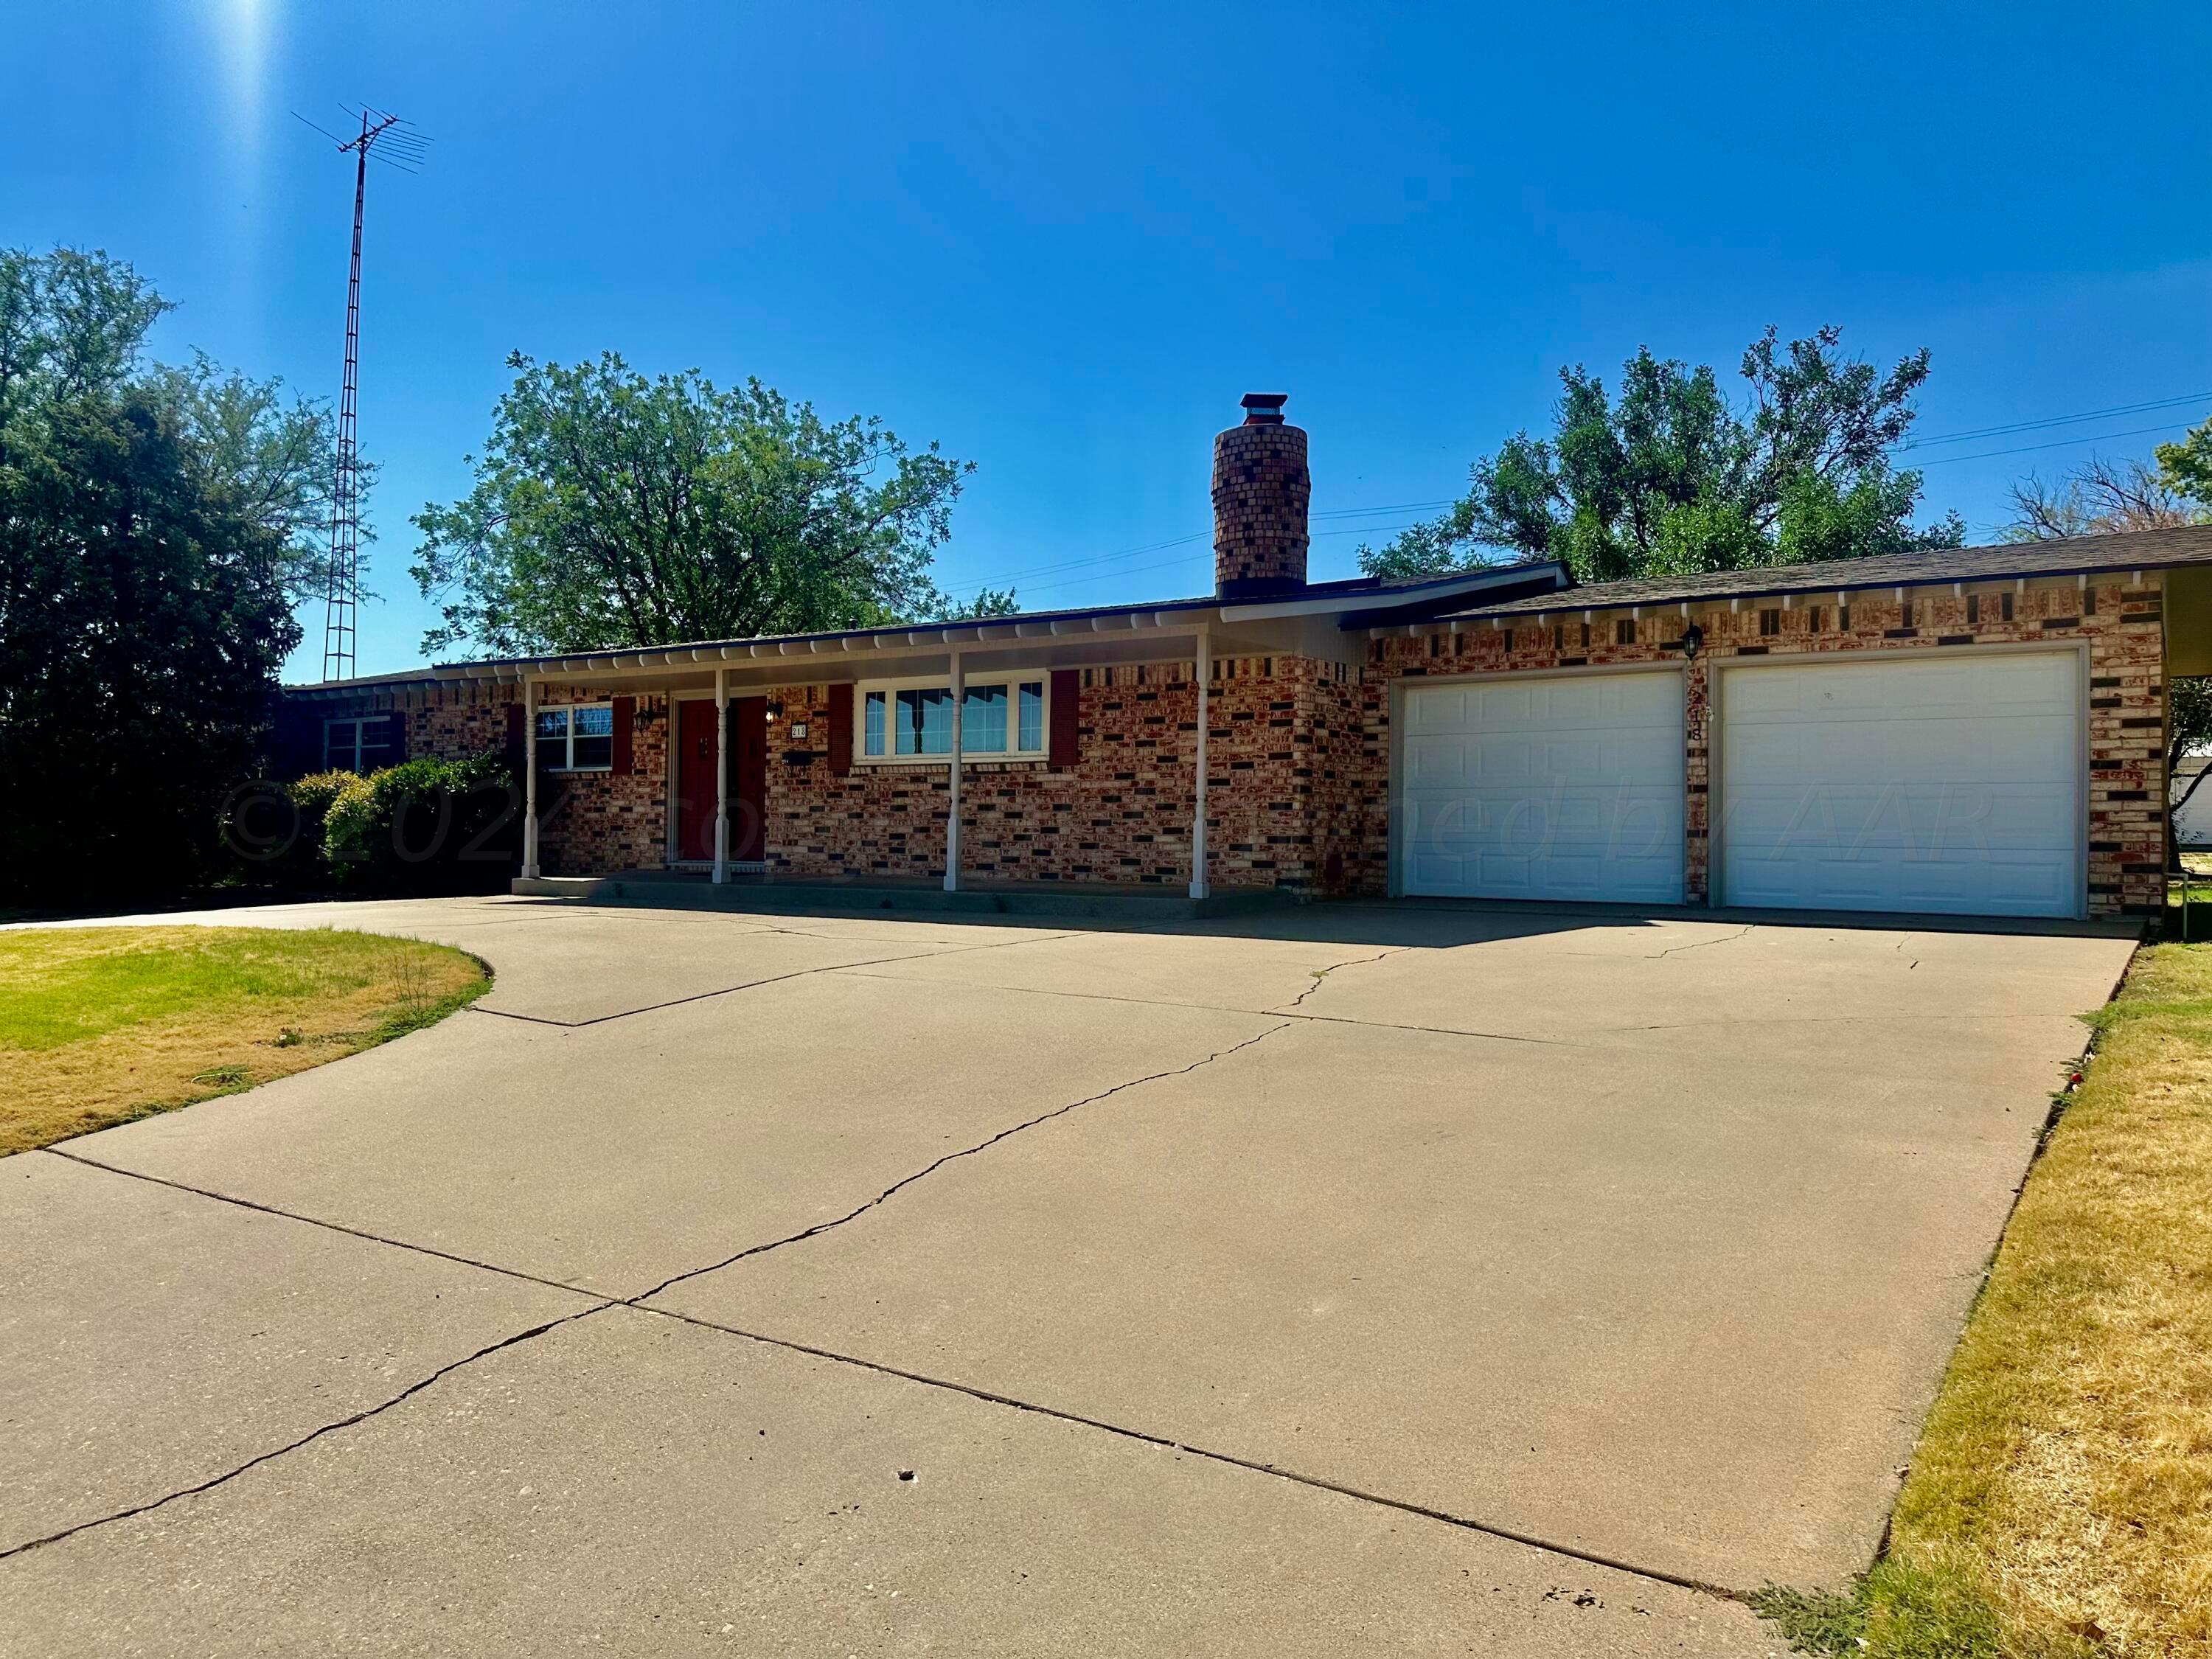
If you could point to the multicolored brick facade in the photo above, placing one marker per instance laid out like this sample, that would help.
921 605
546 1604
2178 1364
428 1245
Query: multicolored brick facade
1299 748
2119 618
1122 813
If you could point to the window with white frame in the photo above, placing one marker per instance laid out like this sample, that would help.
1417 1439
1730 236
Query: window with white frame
1003 716
359 745
576 737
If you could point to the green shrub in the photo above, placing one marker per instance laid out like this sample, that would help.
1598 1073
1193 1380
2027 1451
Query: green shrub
429 825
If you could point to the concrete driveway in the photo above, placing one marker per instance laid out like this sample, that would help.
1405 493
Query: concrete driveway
1350 1280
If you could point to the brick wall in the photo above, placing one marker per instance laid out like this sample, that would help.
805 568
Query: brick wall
589 823
2122 624
1299 751
1122 813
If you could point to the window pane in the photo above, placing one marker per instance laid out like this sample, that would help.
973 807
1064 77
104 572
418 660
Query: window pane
375 747
552 739
595 722
1032 717
925 721
592 751
983 728
873 742
339 738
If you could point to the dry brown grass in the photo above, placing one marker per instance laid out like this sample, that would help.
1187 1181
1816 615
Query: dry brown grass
99 1025
2067 1467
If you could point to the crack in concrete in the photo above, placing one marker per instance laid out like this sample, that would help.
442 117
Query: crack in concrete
753 985
1730 939
361 1416
821 1227
1226 1008
1320 976
637 1301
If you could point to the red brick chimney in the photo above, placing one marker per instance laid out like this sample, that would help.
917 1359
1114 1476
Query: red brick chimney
1260 487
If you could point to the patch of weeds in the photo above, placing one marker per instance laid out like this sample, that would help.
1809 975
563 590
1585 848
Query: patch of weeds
222 1076
289 1037
1903 1610
1815 1622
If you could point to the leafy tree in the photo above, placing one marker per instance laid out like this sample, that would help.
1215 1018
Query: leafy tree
73 329
988 601
152 523
610 509
2185 468
1668 476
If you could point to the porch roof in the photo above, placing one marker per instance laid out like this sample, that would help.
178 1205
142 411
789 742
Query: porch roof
1277 622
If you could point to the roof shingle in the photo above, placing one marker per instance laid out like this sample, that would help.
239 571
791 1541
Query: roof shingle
2139 550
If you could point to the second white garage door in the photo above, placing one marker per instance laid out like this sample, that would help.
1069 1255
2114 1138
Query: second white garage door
1564 787
1951 786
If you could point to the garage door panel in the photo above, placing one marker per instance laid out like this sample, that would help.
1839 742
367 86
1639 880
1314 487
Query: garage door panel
1434 761
1948 787
1443 710
1562 787
1924 822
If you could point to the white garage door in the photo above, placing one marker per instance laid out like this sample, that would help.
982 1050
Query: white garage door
1950 785
1565 786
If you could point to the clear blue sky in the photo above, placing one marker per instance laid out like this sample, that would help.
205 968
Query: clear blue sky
1065 244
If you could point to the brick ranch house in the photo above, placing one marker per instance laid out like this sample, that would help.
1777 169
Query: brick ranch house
1976 732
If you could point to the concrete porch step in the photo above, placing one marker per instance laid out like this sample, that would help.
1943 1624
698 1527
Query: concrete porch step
689 891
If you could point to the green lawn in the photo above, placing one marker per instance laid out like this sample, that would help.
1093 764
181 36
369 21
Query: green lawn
2060 1500
99 1025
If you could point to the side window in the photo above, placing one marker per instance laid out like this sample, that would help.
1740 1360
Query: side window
592 741
362 744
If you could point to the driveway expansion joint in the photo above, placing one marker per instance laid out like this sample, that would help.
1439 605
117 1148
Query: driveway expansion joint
1168 1443
329 1226
749 984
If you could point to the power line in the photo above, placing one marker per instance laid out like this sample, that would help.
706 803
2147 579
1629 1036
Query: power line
2056 420
2061 443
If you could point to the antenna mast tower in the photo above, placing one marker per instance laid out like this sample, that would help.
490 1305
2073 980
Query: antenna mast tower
343 594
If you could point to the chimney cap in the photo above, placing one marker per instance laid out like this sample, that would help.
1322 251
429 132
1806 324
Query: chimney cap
1265 408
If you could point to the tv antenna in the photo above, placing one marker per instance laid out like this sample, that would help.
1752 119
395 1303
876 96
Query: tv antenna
395 142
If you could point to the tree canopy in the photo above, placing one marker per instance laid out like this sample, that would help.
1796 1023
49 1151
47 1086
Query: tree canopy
154 526
1668 475
611 509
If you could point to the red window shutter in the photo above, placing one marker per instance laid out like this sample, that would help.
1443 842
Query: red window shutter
625 711
1067 702
841 730
398 738
517 750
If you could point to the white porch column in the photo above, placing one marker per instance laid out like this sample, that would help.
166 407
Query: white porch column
721 775
952 814
1204 666
530 779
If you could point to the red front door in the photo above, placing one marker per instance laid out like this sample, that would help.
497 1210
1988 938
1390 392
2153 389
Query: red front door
694 777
